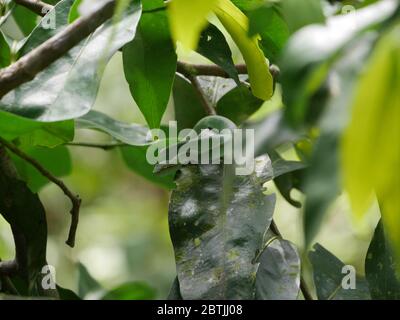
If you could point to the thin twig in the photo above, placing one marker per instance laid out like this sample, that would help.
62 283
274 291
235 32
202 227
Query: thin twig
37 6
104 146
75 200
303 286
26 68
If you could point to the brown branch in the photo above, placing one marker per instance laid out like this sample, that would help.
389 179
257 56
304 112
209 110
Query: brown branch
75 200
26 68
303 286
214 70
36 6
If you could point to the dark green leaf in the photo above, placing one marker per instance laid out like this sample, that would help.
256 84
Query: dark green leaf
380 268
25 19
25 213
278 275
328 277
131 291
238 104
268 22
150 66
135 159
217 222
188 108
67 294
213 46
62 91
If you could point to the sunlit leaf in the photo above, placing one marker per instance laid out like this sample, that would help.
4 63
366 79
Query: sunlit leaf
188 18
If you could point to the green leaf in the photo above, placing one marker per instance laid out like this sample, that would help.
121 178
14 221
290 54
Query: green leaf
5 55
381 267
188 18
62 91
131 291
57 161
278 275
135 159
150 66
25 213
236 23
25 19
45 134
74 12
301 13
187 106
86 283
374 124
267 21
328 278
67 294
238 104
132 134
217 222
214 47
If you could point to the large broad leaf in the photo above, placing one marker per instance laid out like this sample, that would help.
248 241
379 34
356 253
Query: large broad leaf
214 46
25 213
310 52
132 134
150 65
278 276
38 133
238 104
237 24
67 88
373 126
381 267
217 222
188 18
25 19
328 277
187 105
57 161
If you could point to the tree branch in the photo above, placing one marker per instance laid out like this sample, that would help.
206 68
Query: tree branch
26 68
75 200
303 286
36 6
214 70
104 146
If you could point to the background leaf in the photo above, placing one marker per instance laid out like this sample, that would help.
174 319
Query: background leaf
150 65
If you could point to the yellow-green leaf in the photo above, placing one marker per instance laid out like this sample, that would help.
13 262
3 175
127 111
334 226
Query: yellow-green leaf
187 20
237 24
370 145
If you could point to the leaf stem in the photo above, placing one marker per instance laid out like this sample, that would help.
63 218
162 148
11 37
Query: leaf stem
104 146
75 200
